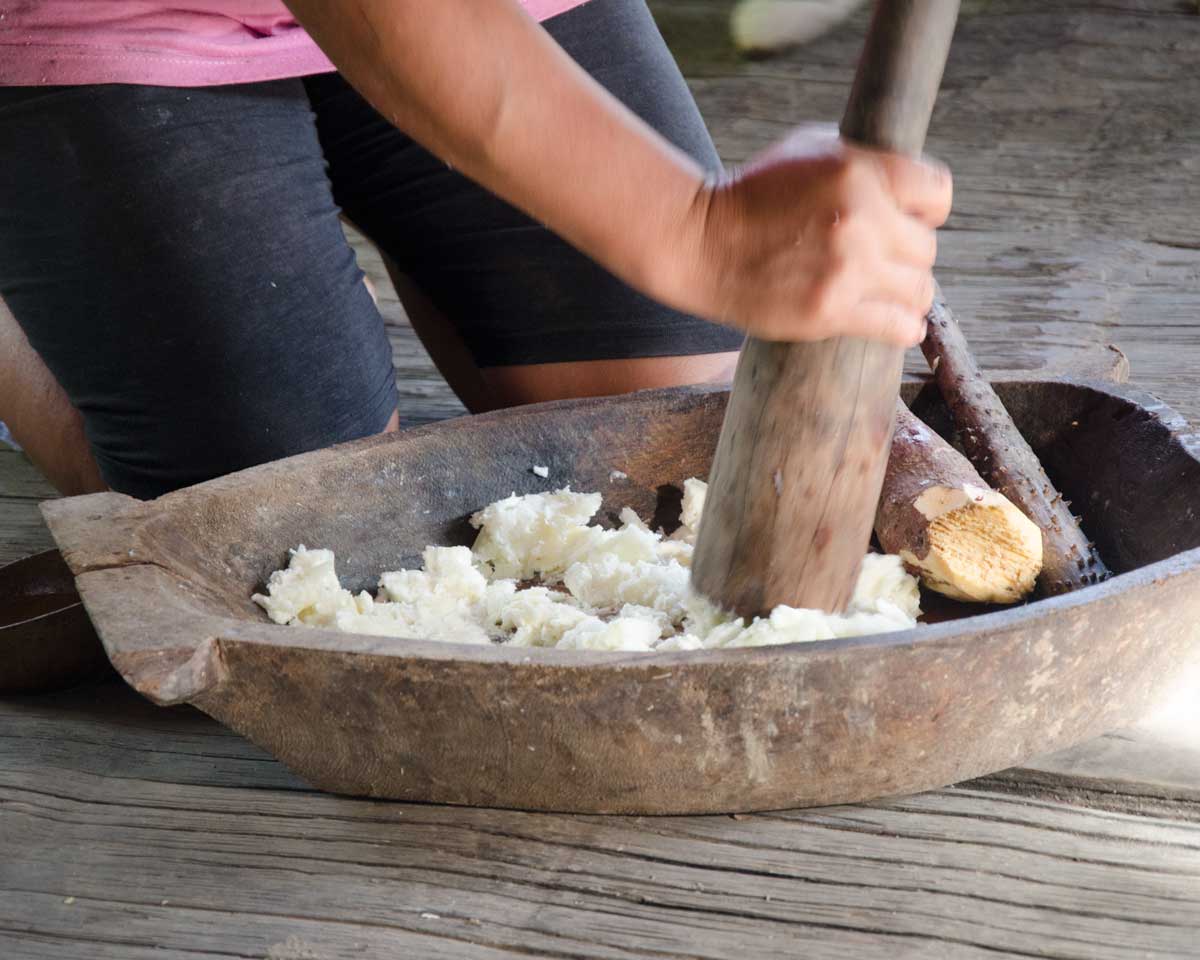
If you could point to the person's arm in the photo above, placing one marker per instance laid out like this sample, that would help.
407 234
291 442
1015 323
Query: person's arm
816 240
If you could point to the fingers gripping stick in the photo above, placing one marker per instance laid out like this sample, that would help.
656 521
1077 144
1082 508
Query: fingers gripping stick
801 457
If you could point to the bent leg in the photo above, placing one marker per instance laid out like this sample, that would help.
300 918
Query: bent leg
40 417
509 311
175 258
493 388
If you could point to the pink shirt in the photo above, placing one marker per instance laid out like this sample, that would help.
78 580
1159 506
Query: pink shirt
189 43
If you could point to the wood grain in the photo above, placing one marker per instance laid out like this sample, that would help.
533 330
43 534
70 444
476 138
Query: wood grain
22 531
1073 134
91 807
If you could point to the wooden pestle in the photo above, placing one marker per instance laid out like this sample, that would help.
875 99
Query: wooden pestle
802 452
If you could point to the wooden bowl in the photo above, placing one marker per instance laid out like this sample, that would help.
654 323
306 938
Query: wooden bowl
168 582
46 640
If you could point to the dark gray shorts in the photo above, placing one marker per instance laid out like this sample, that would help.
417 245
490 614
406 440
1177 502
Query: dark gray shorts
176 258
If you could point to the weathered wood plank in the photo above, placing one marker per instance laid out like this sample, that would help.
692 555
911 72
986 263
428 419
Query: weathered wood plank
21 487
19 479
45 946
22 531
129 929
86 812
1072 132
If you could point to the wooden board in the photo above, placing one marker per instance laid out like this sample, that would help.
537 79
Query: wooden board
122 806
1099 101
22 531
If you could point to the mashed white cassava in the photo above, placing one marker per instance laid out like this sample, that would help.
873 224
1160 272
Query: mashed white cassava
622 589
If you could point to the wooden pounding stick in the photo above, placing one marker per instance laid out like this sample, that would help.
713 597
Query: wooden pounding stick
801 456
1004 458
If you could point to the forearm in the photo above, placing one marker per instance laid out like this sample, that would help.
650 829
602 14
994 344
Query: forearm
487 90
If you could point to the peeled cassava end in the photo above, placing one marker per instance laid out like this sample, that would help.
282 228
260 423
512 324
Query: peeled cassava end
979 546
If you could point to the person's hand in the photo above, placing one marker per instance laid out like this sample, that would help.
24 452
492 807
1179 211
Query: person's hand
816 238
813 239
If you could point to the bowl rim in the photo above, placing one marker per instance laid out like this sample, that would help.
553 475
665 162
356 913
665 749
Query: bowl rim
127 514
13 573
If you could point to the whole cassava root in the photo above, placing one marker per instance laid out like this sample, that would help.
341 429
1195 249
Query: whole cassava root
962 538
1003 457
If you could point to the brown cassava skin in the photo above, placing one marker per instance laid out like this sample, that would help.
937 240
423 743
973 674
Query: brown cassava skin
919 459
1004 458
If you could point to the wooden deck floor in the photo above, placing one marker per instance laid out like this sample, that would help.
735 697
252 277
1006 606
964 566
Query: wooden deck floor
132 832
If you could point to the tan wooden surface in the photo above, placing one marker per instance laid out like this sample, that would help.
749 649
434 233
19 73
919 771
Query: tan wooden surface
131 832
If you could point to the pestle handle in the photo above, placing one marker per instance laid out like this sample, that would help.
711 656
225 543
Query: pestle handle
899 74
802 452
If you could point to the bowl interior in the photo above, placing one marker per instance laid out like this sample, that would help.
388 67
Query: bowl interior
1114 452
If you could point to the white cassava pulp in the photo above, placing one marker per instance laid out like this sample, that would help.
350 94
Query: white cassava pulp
623 589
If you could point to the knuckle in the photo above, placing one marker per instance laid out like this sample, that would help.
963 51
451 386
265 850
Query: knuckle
939 176
900 172
938 184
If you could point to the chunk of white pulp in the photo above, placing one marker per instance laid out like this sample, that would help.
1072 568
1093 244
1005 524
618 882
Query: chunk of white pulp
624 589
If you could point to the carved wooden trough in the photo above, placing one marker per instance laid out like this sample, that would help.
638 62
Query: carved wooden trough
167 584
46 639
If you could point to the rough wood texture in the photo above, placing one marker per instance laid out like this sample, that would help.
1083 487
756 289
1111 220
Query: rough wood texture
22 531
167 585
1005 459
800 458
899 72
1061 858
964 540
131 832
804 445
